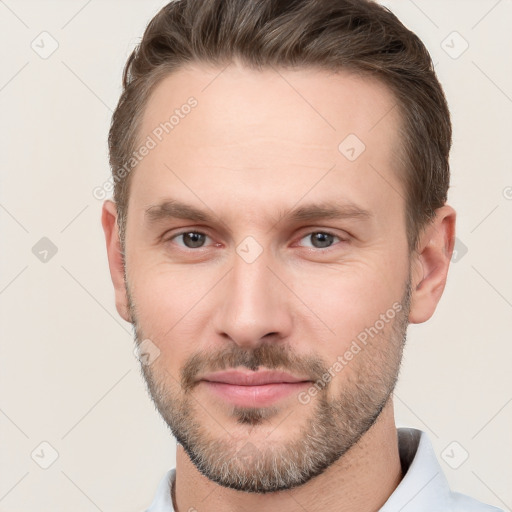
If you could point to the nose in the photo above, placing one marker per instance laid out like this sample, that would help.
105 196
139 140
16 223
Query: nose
253 304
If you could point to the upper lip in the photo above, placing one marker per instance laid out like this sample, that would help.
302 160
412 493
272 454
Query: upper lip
239 378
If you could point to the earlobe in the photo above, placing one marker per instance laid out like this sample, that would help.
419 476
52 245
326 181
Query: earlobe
430 264
115 259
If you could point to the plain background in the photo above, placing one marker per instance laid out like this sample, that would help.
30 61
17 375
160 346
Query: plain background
68 375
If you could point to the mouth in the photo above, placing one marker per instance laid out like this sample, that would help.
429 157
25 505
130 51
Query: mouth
253 389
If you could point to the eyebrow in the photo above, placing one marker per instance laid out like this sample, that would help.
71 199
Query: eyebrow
174 209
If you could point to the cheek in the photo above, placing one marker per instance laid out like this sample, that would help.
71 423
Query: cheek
349 299
164 292
165 305
366 345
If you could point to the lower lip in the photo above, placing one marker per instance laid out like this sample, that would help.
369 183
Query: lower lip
254 396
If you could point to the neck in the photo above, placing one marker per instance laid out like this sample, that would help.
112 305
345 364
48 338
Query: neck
364 479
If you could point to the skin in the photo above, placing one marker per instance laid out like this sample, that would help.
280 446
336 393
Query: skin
252 149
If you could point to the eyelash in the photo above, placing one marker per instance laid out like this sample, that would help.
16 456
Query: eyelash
315 249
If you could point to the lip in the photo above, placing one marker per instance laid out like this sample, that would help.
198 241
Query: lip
238 378
254 389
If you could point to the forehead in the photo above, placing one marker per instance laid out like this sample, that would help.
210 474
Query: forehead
259 132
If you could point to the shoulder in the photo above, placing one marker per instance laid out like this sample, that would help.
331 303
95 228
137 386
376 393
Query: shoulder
162 501
463 503
424 486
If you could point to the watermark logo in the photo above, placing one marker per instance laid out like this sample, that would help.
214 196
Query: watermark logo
45 45
44 250
44 455
249 249
248 454
351 147
459 250
455 455
147 352
454 45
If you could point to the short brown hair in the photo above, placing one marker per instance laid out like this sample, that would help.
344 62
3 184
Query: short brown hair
335 35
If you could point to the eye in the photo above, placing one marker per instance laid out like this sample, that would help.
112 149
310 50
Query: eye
320 239
191 239
197 239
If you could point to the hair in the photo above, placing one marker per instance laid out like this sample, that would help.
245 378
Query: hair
358 36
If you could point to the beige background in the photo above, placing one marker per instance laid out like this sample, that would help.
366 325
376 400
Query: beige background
68 375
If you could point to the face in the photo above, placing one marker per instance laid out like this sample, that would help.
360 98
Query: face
261 242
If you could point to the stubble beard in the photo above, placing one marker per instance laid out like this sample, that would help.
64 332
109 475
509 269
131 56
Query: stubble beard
331 426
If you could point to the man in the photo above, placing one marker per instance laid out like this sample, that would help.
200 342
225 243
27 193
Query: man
281 175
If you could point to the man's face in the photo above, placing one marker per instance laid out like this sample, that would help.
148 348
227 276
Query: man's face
259 283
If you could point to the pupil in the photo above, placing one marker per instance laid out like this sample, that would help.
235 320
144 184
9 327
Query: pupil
195 237
323 238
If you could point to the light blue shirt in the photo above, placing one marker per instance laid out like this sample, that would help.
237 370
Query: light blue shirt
423 488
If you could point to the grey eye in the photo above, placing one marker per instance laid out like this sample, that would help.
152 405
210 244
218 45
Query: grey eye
320 239
192 239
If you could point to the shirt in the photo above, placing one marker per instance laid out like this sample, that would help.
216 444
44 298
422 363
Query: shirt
423 488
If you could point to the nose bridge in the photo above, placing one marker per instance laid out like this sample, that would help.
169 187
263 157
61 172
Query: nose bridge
253 302
250 281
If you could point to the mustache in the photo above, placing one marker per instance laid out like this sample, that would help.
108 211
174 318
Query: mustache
272 356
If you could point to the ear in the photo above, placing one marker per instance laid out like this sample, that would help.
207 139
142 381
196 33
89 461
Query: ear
115 259
430 263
